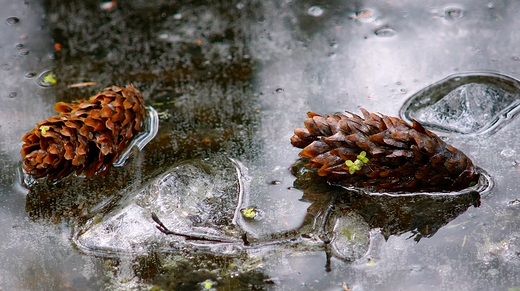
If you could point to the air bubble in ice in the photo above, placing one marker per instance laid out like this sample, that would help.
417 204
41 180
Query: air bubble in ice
12 20
453 13
365 15
315 11
508 153
385 32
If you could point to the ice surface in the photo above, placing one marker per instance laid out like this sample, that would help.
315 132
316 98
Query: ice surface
464 105
201 200
467 109
197 198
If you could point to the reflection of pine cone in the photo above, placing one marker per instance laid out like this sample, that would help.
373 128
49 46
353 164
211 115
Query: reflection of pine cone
87 136
397 156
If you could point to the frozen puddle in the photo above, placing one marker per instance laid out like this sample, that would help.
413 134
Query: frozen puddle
470 103
202 202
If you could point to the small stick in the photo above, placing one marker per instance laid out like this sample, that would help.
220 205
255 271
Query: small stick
165 230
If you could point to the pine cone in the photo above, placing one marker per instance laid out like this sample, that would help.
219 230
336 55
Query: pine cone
87 136
383 153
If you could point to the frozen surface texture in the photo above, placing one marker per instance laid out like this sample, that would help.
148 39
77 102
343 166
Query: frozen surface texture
199 198
233 79
479 102
202 203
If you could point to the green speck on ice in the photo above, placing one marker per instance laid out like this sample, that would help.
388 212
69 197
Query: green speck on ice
249 213
49 78
208 284
347 233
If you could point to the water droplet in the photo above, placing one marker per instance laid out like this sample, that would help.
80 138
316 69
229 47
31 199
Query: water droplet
403 91
240 5
12 94
365 15
24 52
18 46
30 75
315 11
385 32
516 58
177 16
453 13
6 67
279 90
12 20
491 5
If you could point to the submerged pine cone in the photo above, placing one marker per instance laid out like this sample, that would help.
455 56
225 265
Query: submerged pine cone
87 136
382 152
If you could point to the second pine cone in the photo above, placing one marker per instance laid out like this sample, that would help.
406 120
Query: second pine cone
382 153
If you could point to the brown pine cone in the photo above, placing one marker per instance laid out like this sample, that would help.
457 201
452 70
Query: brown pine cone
87 136
382 153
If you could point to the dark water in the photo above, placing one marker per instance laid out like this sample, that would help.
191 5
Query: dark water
232 80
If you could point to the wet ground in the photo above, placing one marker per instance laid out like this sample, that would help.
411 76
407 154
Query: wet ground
230 82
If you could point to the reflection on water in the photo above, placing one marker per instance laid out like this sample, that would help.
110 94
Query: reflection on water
420 214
